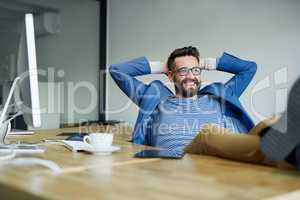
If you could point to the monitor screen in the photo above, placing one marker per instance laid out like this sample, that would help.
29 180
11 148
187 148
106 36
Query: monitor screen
29 102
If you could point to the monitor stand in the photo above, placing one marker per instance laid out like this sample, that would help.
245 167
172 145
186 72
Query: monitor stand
12 129
5 120
4 128
5 110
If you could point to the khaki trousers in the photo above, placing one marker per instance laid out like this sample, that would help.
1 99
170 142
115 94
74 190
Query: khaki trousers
221 142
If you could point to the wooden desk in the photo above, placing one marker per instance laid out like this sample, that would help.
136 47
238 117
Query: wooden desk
120 176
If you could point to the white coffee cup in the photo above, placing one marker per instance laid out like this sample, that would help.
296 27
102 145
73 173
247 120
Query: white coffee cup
99 141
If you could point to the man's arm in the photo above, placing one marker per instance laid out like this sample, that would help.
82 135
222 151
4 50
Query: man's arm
244 70
124 75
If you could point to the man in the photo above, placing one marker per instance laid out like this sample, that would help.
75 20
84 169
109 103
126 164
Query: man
171 121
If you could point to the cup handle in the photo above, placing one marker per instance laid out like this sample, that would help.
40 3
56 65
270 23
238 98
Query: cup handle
86 139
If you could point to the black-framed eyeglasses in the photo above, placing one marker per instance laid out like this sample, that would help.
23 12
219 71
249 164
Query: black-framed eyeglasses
185 71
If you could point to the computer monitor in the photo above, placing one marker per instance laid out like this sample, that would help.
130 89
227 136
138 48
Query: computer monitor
23 98
29 101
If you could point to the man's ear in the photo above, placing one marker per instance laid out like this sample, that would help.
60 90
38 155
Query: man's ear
171 76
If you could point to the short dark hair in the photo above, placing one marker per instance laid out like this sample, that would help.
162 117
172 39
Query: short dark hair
185 51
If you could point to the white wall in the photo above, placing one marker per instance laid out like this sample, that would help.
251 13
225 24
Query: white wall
264 31
74 51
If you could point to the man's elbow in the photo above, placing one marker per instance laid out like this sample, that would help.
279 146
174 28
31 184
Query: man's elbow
252 67
113 69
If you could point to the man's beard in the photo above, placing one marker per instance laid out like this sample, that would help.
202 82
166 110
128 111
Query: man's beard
190 92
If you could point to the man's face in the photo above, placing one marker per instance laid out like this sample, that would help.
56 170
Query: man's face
186 84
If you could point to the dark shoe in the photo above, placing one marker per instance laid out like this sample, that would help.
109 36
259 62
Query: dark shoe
282 138
278 144
296 157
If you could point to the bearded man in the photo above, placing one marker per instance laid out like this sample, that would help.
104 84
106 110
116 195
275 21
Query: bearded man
171 121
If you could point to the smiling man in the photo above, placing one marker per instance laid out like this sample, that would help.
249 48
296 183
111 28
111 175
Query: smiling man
171 121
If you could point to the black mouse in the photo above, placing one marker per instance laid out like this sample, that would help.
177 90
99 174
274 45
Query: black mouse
76 137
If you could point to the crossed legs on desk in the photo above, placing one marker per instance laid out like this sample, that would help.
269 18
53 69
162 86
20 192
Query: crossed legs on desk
220 142
271 142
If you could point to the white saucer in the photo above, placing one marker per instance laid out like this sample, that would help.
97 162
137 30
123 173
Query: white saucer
105 151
